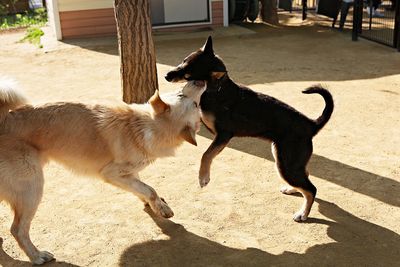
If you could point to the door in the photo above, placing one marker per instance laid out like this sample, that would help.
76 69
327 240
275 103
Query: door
176 12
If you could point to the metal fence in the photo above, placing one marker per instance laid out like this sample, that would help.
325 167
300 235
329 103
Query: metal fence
297 5
310 4
381 25
376 20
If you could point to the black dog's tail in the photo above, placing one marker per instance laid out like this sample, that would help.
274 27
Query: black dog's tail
326 114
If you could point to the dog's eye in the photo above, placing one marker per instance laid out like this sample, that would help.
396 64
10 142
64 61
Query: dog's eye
195 104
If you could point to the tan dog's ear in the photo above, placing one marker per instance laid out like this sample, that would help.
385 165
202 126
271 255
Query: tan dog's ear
158 105
217 74
189 135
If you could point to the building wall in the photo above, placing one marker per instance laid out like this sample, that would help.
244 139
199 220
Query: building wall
94 22
194 10
96 18
75 5
217 19
54 17
217 13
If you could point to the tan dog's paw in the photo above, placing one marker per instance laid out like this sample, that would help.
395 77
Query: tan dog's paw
42 257
204 180
162 209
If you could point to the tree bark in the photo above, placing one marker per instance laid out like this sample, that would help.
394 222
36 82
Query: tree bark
269 12
136 50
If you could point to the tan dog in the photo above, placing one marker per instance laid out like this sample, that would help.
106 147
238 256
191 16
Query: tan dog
112 143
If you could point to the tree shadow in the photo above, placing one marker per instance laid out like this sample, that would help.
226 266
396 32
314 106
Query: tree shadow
7 261
106 45
291 54
378 187
357 243
275 54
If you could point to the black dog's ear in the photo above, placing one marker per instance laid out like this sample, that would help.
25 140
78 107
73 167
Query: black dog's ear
218 74
208 47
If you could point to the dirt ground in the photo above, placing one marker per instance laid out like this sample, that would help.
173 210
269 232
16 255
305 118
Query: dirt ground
240 218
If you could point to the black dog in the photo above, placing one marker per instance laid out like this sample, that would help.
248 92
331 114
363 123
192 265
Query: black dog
229 110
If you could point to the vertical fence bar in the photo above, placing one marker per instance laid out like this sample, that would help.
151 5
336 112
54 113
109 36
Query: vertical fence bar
370 14
356 18
304 3
396 39
360 16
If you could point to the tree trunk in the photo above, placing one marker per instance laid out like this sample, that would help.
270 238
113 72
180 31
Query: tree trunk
269 12
136 50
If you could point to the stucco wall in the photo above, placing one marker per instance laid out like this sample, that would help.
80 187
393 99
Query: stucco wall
74 5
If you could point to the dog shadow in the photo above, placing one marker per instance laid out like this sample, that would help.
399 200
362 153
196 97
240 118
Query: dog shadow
356 242
379 187
7 261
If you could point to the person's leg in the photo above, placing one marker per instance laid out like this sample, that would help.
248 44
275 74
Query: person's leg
376 4
343 14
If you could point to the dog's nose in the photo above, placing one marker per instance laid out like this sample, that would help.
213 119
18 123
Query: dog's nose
168 77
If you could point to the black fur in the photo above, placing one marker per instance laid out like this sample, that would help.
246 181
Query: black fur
239 111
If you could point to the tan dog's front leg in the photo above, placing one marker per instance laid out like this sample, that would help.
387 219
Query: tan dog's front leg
125 177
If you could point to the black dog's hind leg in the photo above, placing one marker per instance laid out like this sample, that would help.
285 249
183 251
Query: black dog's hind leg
291 161
218 144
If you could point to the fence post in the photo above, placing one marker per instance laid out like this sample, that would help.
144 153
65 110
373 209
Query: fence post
304 4
396 39
356 18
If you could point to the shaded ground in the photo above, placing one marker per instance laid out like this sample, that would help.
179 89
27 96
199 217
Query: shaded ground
240 218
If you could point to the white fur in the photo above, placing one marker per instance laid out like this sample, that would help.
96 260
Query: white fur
112 143
11 96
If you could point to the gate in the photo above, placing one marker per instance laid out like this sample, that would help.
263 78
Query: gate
297 5
382 27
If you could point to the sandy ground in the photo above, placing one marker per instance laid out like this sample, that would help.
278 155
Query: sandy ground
240 218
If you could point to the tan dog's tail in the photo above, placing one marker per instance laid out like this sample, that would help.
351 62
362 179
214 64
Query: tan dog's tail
10 97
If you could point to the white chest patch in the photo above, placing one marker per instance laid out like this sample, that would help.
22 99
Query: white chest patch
148 136
208 119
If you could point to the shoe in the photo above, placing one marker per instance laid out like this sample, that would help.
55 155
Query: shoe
377 14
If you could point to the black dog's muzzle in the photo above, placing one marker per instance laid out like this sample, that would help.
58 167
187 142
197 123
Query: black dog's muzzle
176 75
